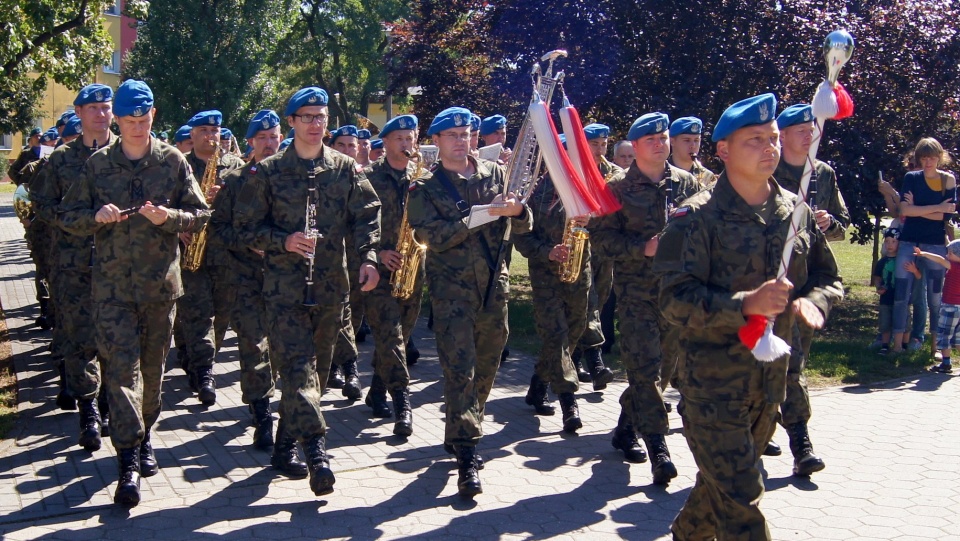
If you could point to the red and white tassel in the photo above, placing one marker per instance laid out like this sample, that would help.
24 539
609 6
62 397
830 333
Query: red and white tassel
757 334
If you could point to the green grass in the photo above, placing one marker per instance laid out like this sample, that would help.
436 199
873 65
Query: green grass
8 382
7 187
840 352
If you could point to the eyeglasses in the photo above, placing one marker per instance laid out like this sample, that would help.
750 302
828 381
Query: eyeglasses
310 119
465 136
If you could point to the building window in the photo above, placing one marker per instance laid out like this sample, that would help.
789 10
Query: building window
114 65
6 141
113 9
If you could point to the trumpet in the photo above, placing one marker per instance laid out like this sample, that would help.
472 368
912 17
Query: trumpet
310 231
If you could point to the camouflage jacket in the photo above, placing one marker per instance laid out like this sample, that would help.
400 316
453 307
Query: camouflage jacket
715 250
703 175
622 235
459 261
135 261
392 187
216 253
272 206
828 194
47 191
15 171
608 169
225 228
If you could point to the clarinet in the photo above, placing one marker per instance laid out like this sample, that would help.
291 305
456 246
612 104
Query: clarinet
812 190
310 231
93 246
668 199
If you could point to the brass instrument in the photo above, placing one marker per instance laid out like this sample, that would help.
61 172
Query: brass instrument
310 231
404 279
575 238
21 202
193 255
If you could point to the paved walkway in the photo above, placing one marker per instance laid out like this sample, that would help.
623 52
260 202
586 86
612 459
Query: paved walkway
891 452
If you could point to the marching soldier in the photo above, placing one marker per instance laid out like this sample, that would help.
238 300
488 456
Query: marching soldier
203 312
29 153
796 137
309 189
135 196
391 319
72 258
62 121
246 279
648 191
685 138
363 147
182 139
493 130
467 277
718 260
376 149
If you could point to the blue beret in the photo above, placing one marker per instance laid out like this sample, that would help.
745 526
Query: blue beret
749 112
49 135
206 118
72 128
452 117
474 122
263 120
343 131
133 98
225 134
285 143
492 124
308 96
648 124
686 125
596 131
376 144
402 122
35 131
95 93
364 134
795 114
67 115
182 134
164 135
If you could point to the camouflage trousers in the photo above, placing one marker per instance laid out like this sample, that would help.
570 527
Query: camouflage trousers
302 339
391 320
641 325
346 351
726 439
796 407
672 352
195 315
38 242
133 340
224 293
75 316
249 321
600 286
470 339
561 318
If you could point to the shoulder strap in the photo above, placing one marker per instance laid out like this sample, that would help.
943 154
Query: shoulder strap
462 205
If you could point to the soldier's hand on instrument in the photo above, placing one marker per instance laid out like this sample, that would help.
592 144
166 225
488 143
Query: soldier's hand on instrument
505 155
511 205
109 213
824 219
808 313
559 253
768 300
155 213
300 244
650 248
186 238
212 192
369 277
391 259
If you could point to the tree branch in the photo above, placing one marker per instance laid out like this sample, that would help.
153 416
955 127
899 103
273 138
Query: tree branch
43 38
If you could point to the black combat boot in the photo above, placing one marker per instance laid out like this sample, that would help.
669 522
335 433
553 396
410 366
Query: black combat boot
600 375
285 456
128 486
451 450
104 407
65 401
263 423
772 449
625 439
377 398
351 384
504 355
363 331
89 425
206 386
413 353
403 412
148 460
805 462
571 413
537 397
582 374
468 483
45 321
660 462
321 476
335 380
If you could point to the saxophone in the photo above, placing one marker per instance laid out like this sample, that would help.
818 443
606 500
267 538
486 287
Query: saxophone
404 279
575 238
193 255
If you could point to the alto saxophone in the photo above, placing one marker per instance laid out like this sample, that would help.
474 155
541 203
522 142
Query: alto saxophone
575 238
404 279
193 255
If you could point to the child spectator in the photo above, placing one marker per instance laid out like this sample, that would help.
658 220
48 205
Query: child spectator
883 279
948 328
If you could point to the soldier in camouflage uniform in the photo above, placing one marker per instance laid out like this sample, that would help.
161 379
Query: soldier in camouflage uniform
39 238
718 260
629 237
246 280
29 153
204 310
72 281
467 278
304 310
392 319
796 136
136 273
